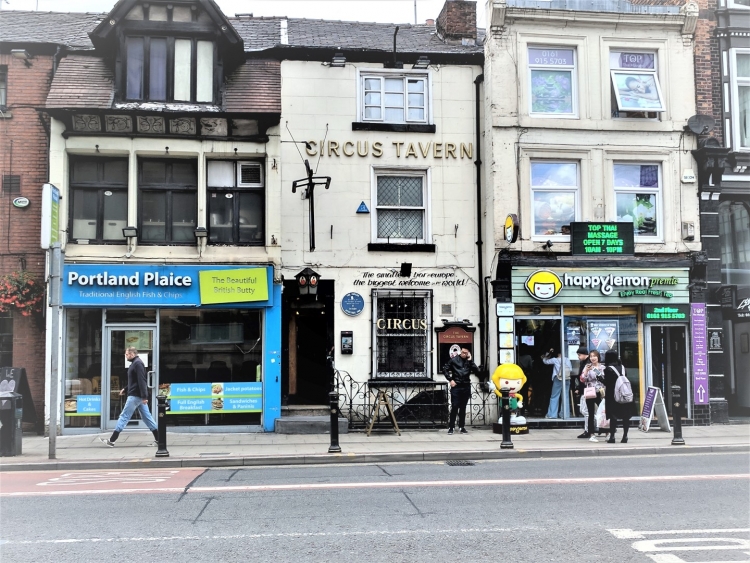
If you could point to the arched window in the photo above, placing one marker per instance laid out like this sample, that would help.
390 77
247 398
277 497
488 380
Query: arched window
734 237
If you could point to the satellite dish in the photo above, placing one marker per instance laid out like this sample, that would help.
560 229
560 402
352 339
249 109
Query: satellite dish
701 124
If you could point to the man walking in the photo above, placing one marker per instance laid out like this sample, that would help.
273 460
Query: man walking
137 393
458 372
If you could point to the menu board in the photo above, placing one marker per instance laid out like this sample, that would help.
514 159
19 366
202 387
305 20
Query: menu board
212 398
604 335
601 238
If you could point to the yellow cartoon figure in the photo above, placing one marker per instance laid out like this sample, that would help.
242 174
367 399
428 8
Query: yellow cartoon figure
543 285
512 377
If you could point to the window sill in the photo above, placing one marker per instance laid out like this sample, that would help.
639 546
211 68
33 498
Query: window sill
390 247
393 127
5 114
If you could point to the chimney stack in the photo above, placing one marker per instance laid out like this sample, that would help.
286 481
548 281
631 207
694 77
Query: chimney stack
429 22
457 22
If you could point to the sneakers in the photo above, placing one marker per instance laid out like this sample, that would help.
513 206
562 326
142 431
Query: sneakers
107 443
450 431
593 439
463 431
585 435
153 444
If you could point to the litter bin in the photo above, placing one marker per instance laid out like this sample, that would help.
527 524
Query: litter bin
11 414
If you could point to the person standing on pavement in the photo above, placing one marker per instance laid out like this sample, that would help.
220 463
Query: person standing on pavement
615 411
458 372
583 359
561 368
137 393
592 376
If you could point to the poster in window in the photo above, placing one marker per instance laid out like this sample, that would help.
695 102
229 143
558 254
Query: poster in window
637 91
551 91
604 335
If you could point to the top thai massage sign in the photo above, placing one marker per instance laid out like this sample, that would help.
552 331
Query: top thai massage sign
98 285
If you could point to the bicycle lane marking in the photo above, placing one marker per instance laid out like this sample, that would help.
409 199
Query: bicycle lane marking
61 483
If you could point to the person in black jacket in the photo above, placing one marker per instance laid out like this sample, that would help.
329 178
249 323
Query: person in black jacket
137 391
458 372
615 410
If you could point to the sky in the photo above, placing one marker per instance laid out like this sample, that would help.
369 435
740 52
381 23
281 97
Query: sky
384 11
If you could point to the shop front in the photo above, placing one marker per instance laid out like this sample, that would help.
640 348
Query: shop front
208 336
641 314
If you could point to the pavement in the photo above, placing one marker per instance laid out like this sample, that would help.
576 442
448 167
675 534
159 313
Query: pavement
132 451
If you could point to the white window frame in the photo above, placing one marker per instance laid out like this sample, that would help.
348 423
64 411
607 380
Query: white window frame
573 79
426 200
638 71
733 4
736 82
382 74
658 237
561 189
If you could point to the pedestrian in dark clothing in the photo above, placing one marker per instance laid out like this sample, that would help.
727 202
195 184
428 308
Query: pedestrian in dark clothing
576 382
458 372
615 411
138 394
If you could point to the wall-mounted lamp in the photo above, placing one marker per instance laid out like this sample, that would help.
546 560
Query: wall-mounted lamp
200 233
547 245
422 63
166 150
97 148
22 54
338 60
405 271
129 232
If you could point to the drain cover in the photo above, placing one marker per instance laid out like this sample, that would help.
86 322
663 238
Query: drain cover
462 462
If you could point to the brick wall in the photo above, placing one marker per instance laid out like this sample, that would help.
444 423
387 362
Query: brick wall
24 152
458 20
708 66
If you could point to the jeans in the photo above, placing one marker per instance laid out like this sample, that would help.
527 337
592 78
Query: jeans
459 398
131 405
554 400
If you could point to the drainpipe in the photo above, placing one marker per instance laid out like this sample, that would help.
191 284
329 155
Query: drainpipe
480 251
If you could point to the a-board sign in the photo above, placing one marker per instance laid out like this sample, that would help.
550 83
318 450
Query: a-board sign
653 403
598 239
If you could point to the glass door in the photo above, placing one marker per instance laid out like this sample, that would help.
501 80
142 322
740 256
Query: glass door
667 350
117 340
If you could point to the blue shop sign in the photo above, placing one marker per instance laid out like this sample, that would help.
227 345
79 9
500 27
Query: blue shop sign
116 285
352 304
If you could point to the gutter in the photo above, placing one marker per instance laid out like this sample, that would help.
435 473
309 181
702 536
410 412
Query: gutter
483 321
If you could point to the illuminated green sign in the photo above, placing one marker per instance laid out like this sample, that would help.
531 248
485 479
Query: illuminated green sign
666 313
241 285
592 239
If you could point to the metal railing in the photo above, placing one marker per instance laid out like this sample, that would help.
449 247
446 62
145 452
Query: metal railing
416 404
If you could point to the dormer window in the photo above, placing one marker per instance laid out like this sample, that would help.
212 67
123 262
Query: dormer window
167 69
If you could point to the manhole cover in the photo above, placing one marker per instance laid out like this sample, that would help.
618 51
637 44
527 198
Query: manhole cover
463 462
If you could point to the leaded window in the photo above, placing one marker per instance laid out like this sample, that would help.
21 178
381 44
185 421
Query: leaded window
400 208
403 321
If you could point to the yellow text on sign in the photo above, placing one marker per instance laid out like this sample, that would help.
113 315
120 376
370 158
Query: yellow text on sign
233 286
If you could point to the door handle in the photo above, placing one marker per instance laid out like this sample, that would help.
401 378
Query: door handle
150 380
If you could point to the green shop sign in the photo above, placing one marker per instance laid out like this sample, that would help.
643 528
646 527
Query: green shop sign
233 286
655 313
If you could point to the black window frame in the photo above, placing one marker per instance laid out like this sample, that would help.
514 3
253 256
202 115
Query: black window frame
169 188
146 77
3 86
6 338
236 191
99 187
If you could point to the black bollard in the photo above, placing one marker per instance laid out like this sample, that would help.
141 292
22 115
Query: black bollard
334 399
677 416
506 444
162 426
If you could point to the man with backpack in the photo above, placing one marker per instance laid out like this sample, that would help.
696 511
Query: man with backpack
618 396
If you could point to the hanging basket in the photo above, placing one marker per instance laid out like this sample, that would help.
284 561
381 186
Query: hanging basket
22 292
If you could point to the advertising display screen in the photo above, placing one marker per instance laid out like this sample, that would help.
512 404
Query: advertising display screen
601 238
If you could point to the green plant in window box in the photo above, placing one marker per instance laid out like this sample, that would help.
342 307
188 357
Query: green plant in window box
22 292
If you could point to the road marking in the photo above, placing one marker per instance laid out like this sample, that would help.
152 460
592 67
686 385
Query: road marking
290 535
669 558
388 485
669 544
628 534
95 478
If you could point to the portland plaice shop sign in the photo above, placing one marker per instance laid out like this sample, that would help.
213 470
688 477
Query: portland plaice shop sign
601 285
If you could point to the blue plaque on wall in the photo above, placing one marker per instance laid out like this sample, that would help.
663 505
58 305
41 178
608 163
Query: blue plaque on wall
352 304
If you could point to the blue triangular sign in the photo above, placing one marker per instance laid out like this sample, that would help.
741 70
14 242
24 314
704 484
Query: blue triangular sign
362 208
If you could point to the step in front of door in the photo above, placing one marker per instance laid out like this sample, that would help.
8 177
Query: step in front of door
308 425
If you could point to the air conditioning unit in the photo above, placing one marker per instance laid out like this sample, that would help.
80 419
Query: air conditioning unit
446 309
249 175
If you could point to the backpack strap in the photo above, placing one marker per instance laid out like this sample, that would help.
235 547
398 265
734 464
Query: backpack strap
614 369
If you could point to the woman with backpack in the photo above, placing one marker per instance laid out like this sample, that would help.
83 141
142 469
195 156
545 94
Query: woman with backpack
615 410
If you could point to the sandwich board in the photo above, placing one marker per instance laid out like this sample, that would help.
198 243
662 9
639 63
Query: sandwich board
653 403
